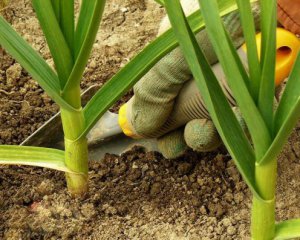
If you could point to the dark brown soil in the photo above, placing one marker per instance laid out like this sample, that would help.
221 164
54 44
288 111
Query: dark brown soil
138 195
141 195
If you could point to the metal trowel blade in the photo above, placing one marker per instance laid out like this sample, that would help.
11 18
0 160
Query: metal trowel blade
50 133
120 144
105 137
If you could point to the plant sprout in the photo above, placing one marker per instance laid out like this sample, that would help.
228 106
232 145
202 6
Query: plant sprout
254 93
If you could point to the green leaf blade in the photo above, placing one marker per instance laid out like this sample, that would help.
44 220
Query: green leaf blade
58 46
85 35
236 77
249 31
287 114
290 96
36 66
282 134
56 8
140 65
267 85
267 10
287 230
67 22
160 2
33 156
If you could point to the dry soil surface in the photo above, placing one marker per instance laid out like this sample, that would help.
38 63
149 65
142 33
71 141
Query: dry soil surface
138 195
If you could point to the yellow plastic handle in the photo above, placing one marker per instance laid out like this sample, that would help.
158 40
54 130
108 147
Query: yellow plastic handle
288 46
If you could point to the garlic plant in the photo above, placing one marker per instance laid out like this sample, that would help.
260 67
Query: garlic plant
256 159
70 44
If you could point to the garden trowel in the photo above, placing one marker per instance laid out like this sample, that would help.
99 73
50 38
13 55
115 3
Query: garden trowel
114 133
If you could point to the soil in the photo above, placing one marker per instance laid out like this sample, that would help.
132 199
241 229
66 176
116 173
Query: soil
138 195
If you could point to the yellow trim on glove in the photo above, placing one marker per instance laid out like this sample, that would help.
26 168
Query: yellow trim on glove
124 124
123 121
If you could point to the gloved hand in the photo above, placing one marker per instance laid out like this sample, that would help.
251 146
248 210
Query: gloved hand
156 92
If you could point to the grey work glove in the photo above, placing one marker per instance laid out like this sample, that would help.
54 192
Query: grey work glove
156 92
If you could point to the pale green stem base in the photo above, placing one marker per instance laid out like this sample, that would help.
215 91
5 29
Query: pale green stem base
263 219
263 212
76 152
77 160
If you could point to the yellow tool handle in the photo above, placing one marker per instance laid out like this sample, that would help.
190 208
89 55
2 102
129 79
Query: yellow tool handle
288 46
189 104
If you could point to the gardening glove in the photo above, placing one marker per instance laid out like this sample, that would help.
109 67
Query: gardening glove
156 93
288 15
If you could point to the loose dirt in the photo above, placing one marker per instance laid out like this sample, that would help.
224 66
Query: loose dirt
138 195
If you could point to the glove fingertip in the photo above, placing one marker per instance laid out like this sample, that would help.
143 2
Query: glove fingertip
201 135
172 145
